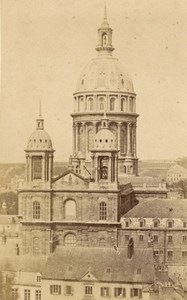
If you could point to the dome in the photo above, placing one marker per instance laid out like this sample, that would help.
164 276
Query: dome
104 140
104 73
39 140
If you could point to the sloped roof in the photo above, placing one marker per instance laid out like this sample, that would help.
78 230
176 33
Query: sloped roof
97 261
162 208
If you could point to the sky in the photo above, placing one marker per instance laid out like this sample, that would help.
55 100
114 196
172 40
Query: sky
45 46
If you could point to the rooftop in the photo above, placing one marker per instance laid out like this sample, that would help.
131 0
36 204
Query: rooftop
162 208
103 264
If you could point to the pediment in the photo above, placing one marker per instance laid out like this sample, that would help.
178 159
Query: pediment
70 180
89 277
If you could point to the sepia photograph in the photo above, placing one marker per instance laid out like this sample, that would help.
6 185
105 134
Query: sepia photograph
93 153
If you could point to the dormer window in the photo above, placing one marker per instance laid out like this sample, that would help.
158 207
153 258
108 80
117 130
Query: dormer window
127 223
170 223
142 223
38 278
156 223
184 224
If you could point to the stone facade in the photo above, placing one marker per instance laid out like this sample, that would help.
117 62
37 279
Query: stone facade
71 210
104 86
167 236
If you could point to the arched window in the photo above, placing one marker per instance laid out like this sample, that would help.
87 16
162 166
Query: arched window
112 104
104 167
101 104
131 104
123 104
36 246
102 211
90 104
81 104
104 40
70 240
36 210
70 209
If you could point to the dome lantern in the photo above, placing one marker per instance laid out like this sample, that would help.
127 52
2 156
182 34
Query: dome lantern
105 37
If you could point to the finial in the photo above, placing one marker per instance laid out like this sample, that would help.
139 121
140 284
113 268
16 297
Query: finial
40 120
105 22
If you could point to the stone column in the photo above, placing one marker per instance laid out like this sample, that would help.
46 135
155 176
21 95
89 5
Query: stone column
27 167
119 135
116 167
127 103
50 165
128 138
76 137
134 139
93 175
43 167
30 168
86 138
73 142
83 138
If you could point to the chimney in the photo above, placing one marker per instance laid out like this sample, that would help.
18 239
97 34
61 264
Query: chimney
130 250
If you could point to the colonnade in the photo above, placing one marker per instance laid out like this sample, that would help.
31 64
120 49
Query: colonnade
81 136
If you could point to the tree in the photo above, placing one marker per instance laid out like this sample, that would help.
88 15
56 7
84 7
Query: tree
7 281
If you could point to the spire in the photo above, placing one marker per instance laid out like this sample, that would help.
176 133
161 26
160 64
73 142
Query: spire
105 22
40 120
105 36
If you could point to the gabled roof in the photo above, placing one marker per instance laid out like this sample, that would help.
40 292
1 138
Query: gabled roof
69 172
99 261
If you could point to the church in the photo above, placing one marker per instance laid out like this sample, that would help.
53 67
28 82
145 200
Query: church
81 232
83 206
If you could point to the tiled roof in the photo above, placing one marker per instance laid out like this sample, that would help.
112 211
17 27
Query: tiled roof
96 261
162 208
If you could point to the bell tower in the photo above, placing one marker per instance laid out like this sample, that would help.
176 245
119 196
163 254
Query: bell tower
39 156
